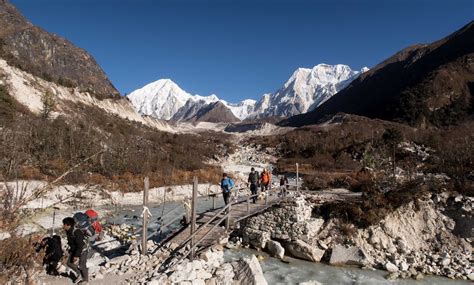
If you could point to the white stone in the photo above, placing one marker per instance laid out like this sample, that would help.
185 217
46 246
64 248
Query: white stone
311 282
390 267
250 272
403 266
303 250
275 249
446 261
347 256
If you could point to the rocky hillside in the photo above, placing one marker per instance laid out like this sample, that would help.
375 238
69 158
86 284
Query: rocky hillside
420 85
49 56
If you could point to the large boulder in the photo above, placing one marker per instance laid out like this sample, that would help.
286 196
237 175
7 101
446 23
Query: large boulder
249 272
348 256
256 238
303 250
275 249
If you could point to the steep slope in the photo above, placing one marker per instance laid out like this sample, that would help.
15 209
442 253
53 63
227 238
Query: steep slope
49 56
420 85
305 90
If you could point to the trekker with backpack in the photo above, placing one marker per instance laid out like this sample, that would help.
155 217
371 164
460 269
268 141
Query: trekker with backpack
265 180
253 181
78 250
226 186
283 184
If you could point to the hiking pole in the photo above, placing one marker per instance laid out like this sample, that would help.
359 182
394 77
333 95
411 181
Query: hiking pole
54 216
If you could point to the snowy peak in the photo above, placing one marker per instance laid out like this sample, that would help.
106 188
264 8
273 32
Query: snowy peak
306 89
163 98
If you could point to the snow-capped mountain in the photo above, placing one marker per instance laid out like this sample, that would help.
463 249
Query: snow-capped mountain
304 91
162 99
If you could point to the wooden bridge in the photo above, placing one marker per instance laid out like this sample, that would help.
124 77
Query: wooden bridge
209 227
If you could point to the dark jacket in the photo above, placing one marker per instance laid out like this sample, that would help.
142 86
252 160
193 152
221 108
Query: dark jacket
75 240
253 178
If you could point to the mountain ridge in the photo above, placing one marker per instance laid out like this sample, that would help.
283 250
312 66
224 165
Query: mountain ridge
424 84
306 89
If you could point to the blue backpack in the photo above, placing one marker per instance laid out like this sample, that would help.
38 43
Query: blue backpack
227 184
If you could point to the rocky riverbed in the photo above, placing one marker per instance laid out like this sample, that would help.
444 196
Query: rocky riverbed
413 241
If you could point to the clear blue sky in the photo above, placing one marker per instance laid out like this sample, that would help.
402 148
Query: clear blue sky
240 49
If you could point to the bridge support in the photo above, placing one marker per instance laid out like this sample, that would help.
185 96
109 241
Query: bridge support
145 215
193 213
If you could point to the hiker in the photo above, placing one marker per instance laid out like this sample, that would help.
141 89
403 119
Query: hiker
226 186
284 184
78 250
265 178
253 181
53 253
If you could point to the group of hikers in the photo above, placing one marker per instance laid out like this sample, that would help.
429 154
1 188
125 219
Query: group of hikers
82 231
254 181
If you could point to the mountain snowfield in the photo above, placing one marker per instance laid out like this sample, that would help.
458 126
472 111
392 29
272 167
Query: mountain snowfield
304 91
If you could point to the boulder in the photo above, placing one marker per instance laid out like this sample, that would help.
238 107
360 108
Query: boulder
256 238
311 282
275 249
303 250
248 271
403 266
347 256
119 259
390 267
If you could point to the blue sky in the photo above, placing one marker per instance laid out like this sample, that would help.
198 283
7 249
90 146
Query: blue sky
240 49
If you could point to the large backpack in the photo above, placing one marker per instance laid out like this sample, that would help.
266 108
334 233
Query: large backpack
94 219
84 224
265 178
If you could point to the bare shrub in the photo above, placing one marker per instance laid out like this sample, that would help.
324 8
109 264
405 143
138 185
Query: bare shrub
18 260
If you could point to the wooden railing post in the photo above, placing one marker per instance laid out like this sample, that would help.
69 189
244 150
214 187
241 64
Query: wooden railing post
227 220
145 215
297 177
214 201
193 213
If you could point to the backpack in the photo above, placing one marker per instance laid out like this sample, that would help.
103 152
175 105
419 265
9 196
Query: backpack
265 177
84 224
94 219
253 178
227 184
